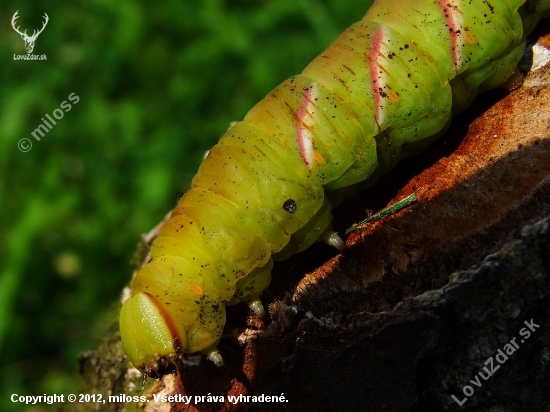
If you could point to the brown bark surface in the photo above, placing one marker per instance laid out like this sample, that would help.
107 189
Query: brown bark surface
422 299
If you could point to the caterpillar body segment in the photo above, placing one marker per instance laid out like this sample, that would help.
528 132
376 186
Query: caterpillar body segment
387 87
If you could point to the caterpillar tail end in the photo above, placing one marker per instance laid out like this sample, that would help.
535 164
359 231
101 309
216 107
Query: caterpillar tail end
331 238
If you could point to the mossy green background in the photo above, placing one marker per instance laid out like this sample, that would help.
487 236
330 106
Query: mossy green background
159 83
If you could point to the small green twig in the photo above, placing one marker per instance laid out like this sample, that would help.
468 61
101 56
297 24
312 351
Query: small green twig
387 211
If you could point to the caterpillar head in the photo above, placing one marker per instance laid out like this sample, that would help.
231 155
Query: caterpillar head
170 313
150 341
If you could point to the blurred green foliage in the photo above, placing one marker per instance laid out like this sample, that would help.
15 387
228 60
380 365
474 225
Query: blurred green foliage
158 83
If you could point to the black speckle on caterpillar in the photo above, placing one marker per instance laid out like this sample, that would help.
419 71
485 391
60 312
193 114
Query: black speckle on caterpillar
383 90
290 206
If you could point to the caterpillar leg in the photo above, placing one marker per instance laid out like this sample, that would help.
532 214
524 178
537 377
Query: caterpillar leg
250 288
257 307
214 355
514 82
331 238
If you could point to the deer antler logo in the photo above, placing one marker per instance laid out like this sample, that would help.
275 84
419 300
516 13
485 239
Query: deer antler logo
29 40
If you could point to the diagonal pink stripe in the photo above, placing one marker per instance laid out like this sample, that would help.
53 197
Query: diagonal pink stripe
375 75
452 24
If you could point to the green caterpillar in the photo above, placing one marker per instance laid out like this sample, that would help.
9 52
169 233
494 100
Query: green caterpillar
383 90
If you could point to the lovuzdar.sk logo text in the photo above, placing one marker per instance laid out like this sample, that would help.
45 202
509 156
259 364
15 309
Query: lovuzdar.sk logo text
29 40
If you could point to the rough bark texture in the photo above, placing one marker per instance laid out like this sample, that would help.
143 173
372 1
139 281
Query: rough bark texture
420 302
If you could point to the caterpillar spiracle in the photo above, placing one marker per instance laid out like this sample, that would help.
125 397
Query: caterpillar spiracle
383 90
